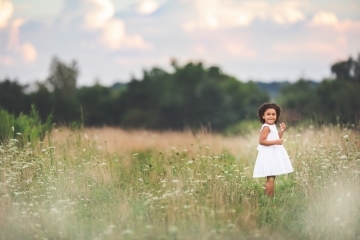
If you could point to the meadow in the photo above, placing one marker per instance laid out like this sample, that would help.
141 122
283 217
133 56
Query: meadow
109 183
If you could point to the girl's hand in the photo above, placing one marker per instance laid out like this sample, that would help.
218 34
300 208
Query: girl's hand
282 127
279 142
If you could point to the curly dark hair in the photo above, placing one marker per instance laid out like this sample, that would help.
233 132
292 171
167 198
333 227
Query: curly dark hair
264 107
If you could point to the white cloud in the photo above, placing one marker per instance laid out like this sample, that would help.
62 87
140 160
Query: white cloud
115 37
215 14
246 38
147 7
14 40
329 19
6 11
26 49
29 52
287 13
324 18
98 13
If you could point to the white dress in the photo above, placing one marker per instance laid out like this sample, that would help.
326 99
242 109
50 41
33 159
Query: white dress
271 160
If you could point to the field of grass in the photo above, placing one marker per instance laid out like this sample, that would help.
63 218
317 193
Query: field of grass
113 184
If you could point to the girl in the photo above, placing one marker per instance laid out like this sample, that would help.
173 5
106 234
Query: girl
272 158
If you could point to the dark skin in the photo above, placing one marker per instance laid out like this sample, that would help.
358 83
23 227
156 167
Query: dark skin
270 118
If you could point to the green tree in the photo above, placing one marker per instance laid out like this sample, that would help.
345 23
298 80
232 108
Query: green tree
348 70
62 82
338 101
193 96
297 100
332 101
13 98
97 103
62 77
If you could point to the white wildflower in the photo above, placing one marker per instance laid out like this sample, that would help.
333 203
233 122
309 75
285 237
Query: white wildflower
173 229
127 232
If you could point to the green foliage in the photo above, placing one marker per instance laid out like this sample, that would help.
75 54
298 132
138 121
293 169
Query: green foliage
296 100
13 98
63 77
24 128
97 104
338 101
348 70
331 101
192 97
242 128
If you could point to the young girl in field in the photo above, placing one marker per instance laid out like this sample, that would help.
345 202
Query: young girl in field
272 158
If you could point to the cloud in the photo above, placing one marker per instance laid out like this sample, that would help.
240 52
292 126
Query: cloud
215 14
14 33
115 37
6 11
255 39
26 49
328 19
324 18
29 52
6 60
287 13
100 15
147 7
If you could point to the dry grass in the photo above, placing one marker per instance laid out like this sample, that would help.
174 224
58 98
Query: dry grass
116 140
113 184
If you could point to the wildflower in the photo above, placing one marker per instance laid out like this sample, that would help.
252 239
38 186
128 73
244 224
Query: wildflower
12 128
109 230
54 210
173 229
127 232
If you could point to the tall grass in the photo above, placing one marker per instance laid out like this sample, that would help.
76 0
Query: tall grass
24 128
112 184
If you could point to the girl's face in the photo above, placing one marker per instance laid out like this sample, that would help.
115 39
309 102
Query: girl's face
269 116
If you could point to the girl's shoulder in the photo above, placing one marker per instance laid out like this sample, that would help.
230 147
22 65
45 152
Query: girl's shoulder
266 125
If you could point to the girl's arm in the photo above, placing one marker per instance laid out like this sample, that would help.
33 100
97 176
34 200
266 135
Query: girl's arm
263 135
282 129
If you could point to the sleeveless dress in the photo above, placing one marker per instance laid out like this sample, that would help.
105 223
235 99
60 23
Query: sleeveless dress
271 160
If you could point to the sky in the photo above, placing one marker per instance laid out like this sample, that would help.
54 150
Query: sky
112 41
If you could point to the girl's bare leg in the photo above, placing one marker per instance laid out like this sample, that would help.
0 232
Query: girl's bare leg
269 186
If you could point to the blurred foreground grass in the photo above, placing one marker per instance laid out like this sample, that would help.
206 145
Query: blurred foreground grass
112 184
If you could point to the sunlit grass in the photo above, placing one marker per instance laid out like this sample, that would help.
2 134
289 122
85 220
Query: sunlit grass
113 184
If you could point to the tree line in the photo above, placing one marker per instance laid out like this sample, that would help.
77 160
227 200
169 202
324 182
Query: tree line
333 100
190 96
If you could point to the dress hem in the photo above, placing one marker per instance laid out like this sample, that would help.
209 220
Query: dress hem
274 174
